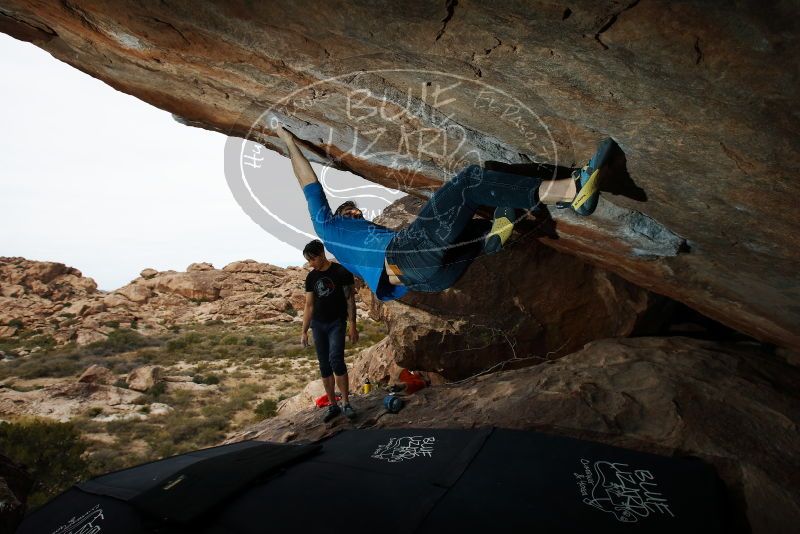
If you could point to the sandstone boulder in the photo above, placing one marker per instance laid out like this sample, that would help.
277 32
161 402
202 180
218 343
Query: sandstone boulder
376 363
201 266
137 293
198 285
8 331
144 378
148 273
303 400
678 97
97 374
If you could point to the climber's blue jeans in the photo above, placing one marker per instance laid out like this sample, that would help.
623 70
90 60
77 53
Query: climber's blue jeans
329 344
434 251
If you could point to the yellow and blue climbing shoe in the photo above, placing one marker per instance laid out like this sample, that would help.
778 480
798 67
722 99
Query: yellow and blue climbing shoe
589 178
502 227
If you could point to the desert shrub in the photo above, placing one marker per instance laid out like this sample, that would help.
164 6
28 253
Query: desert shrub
50 451
121 383
16 322
121 340
41 366
157 390
111 324
230 340
265 343
184 341
248 341
211 380
266 408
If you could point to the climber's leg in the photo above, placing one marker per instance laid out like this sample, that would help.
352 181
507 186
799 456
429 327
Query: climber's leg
417 253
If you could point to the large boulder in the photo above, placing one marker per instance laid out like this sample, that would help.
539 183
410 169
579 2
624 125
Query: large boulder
138 293
97 374
144 378
376 363
735 406
700 96
199 266
148 273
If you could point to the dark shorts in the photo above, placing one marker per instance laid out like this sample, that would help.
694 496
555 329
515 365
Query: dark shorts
329 344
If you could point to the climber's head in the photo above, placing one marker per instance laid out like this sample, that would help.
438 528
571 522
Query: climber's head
349 210
314 253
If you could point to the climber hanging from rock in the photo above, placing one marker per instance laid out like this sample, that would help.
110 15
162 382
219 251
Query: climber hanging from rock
434 251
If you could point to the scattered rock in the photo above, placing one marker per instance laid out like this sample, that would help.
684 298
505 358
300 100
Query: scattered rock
201 266
303 400
8 331
148 273
159 408
144 378
97 374
66 401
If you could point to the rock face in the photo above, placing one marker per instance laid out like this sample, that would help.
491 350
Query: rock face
144 378
525 305
67 306
97 374
734 407
701 96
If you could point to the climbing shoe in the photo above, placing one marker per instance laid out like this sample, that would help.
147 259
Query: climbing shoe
349 412
502 227
333 411
588 179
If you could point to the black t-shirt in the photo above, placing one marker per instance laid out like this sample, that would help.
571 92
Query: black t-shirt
328 287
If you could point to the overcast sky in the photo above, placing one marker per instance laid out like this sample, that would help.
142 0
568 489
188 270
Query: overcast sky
106 183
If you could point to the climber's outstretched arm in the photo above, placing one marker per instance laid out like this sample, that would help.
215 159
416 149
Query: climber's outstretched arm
302 168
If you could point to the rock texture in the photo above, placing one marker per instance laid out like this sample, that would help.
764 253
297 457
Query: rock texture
144 378
731 405
58 301
702 97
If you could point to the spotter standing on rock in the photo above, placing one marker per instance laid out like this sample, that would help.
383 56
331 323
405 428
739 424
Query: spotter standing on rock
330 302
434 251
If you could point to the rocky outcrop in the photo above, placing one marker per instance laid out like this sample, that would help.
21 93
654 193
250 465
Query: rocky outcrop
97 374
38 295
732 405
698 94
68 307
